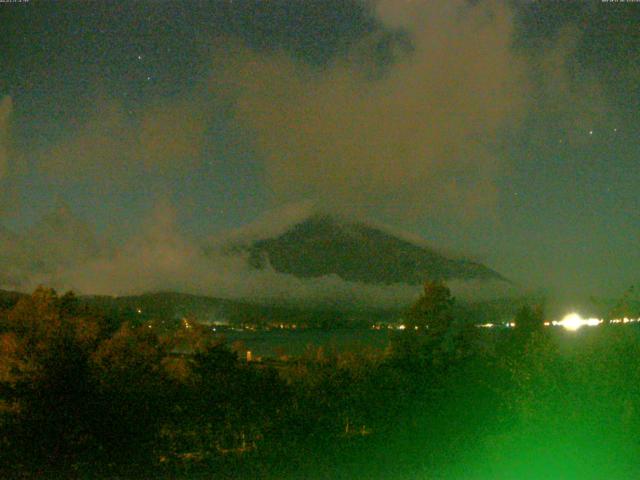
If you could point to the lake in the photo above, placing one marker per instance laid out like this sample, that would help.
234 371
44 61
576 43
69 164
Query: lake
294 342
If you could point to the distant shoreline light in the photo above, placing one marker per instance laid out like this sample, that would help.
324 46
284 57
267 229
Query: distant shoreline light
574 321
571 322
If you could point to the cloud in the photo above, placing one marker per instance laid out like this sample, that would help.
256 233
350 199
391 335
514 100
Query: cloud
272 223
161 258
172 134
100 148
419 140
6 107
113 146
422 138
11 162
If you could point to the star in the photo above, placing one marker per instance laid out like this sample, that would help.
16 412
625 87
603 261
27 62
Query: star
590 132
139 57
149 78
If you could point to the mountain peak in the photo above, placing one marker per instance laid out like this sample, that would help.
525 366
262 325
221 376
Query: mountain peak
327 244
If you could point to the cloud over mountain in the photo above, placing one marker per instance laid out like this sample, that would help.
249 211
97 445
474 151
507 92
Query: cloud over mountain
160 258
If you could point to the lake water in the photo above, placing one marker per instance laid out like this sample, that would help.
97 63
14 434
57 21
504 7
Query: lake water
295 342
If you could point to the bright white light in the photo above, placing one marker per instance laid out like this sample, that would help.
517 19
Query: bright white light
573 322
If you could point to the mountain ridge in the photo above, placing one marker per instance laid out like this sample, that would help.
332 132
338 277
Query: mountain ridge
324 244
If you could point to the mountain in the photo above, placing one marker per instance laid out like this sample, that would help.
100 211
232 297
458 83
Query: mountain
324 244
297 258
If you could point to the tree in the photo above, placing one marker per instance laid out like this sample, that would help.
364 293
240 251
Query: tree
433 310
529 320
44 353
428 326
131 392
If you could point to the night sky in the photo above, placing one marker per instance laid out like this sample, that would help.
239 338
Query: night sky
507 131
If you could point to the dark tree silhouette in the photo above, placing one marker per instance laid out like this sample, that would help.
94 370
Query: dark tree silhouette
433 310
529 320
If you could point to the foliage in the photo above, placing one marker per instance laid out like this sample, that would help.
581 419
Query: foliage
44 354
82 399
433 310
529 320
